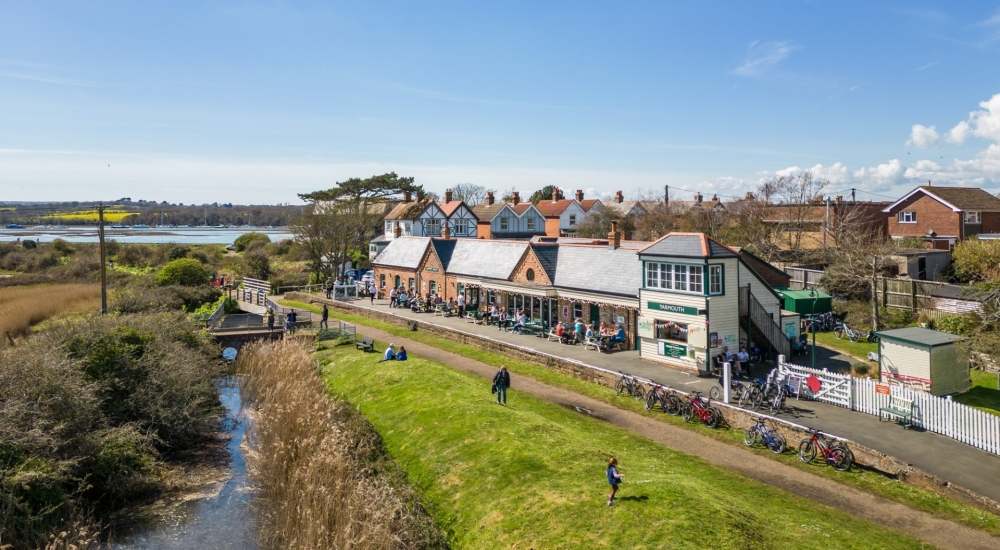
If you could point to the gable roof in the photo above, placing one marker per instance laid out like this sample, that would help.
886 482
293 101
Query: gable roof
598 269
551 209
522 207
587 204
444 249
770 274
485 212
449 208
548 257
623 208
959 199
408 210
688 245
405 252
482 258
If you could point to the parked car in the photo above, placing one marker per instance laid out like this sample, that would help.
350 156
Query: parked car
368 277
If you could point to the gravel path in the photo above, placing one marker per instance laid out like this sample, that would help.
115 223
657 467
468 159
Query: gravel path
936 531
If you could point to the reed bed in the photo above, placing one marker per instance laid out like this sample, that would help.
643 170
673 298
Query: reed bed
25 306
323 477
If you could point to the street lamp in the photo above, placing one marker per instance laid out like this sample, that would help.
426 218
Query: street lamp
812 324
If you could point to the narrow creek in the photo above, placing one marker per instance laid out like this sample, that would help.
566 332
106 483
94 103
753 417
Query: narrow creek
215 515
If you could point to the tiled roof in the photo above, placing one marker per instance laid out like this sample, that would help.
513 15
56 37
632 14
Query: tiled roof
551 209
486 212
521 207
688 245
407 210
965 198
483 258
598 269
704 204
548 256
587 204
449 208
405 252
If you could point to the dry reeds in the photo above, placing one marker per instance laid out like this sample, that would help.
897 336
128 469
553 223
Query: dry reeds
24 306
323 476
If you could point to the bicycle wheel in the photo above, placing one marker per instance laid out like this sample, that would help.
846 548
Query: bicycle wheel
778 402
619 387
848 455
714 417
673 405
758 400
638 390
778 443
751 436
715 392
687 412
807 450
745 397
650 399
855 335
838 332
840 459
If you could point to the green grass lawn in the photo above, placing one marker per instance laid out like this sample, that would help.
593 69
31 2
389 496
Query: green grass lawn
865 480
844 345
531 475
984 394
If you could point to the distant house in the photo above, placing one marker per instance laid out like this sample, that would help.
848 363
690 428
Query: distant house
942 216
816 225
623 207
563 216
427 218
698 204
513 220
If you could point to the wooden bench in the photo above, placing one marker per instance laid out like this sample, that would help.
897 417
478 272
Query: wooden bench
899 408
366 344
553 336
595 343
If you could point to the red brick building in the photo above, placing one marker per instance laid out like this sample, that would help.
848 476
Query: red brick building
942 216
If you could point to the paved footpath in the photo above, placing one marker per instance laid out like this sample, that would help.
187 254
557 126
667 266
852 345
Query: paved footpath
921 525
942 456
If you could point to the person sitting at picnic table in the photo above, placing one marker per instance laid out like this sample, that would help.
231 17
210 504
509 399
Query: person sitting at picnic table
604 329
414 305
743 361
437 299
390 353
590 332
401 354
561 332
502 320
618 337
521 321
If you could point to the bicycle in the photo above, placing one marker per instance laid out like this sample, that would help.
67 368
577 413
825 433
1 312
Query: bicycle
777 402
629 385
834 454
698 406
768 435
854 335
665 396
735 388
753 394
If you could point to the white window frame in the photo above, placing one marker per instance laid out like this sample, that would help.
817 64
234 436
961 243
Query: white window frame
907 216
696 279
716 280
572 220
531 224
676 277
430 225
504 225
973 217
389 226
461 227
407 229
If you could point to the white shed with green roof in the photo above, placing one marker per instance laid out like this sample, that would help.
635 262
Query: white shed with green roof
923 359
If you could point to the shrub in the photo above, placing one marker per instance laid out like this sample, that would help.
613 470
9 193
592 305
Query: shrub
243 241
136 255
29 244
62 247
282 247
958 324
176 252
184 271
975 261
125 463
257 264
861 369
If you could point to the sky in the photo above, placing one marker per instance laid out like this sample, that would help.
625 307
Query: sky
255 102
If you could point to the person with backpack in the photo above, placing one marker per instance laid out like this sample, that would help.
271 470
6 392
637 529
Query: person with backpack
614 478
500 383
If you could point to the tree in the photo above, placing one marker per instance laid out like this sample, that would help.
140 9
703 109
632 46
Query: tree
800 195
545 194
471 193
185 272
657 221
243 241
976 261
597 224
258 263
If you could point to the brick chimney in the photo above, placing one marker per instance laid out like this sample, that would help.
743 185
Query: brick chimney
840 198
555 194
397 231
515 197
697 198
929 183
407 196
446 230
614 237
715 198
447 196
579 195
619 197
489 197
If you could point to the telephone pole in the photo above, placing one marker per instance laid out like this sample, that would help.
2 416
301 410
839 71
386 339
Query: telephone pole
104 275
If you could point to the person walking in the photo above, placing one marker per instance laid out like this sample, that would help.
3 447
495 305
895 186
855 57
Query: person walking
501 382
461 306
269 316
329 288
392 297
323 323
372 291
614 478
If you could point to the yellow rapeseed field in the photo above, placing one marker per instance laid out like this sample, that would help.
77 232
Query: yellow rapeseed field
110 215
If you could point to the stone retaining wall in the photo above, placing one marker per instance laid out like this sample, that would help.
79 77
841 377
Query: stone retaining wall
735 417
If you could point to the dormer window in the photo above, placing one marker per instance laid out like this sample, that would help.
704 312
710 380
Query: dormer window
907 216
973 217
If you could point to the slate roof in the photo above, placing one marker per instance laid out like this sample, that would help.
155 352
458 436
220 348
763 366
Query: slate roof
688 245
483 258
548 257
444 249
598 269
624 207
959 292
405 252
551 209
634 245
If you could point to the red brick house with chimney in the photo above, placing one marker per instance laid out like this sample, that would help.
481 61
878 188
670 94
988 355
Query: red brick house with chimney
942 216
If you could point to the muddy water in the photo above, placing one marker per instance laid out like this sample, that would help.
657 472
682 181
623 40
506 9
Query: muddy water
213 515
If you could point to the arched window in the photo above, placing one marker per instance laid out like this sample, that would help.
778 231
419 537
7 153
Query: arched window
530 274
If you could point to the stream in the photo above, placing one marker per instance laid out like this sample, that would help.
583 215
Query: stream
216 515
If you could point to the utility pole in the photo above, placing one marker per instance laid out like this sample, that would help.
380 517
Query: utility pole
104 275
666 195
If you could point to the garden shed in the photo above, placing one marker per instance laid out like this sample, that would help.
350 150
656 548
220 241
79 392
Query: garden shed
804 303
924 360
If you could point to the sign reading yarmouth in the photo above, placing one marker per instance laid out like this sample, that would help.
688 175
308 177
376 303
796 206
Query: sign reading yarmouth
670 308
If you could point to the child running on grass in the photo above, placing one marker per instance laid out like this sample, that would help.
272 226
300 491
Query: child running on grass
614 478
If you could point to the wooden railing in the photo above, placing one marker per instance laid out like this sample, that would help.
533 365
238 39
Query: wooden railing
761 319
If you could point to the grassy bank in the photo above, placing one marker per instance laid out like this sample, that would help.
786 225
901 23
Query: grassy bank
845 345
984 394
872 482
324 478
532 475
24 306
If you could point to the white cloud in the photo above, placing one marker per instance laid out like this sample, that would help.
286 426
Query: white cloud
763 55
984 123
959 133
923 136
884 175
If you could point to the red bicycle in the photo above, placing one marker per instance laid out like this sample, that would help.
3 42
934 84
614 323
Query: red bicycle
698 406
834 454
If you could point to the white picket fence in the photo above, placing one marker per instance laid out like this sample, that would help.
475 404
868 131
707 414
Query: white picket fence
935 414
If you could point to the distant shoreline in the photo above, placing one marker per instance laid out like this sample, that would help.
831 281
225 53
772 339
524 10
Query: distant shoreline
173 235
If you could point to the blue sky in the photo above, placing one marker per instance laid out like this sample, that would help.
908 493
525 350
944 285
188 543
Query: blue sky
258 101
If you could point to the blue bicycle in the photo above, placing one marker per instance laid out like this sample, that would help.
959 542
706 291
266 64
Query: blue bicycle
768 435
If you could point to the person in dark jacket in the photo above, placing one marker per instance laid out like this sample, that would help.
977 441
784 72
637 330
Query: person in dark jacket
614 478
502 381
324 322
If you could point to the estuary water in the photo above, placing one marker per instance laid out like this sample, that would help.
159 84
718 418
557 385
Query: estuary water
172 235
